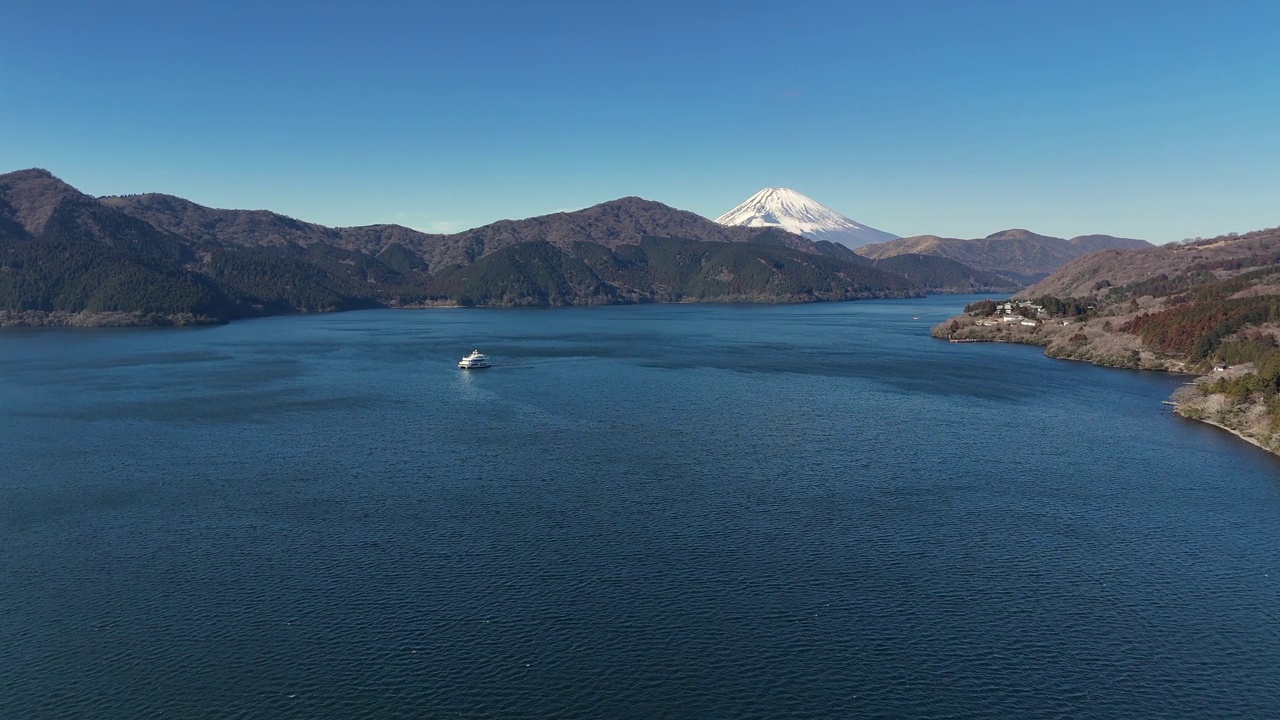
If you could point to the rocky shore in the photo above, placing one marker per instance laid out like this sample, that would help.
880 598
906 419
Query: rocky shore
39 318
1096 340
1100 341
1249 419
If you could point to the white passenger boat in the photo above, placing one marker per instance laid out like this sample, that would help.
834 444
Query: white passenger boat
475 361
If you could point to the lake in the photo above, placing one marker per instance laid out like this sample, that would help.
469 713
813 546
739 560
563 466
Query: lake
661 511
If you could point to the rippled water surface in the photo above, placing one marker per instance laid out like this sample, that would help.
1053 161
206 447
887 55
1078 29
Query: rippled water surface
652 512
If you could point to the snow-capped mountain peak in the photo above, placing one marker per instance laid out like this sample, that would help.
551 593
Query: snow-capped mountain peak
787 209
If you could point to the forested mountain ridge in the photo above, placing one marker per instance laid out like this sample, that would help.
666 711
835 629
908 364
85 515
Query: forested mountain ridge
625 221
661 270
35 205
618 222
942 274
1109 268
156 258
65 252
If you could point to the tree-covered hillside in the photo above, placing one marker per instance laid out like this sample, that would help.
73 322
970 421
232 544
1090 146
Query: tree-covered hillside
942 274
84 277
661 270
159 256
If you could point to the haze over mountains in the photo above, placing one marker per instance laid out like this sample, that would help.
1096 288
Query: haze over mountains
789 210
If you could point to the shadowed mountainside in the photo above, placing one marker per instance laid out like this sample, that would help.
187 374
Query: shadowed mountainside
942 274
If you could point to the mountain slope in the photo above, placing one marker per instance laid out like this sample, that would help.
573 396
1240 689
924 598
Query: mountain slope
67 252
1017 254
62 251
789 210
56 277
213 227
1093 243
1095 273
944 275
172 260
617 222
625 221
35 205
659 269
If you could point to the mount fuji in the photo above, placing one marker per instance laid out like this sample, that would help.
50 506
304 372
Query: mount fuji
789 210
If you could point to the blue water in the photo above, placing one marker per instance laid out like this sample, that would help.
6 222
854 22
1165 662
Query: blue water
653 512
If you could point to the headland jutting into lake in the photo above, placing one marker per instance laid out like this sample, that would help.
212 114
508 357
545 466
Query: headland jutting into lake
1210 308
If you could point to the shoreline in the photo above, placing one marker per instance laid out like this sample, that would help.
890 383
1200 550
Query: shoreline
28 319
1178 407
1177 410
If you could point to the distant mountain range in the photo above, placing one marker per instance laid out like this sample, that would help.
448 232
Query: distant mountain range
1010 258
1019 255
158 259
789 210
163 259
1209 306
621 222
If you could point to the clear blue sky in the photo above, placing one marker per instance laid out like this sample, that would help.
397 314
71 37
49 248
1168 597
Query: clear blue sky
1158 120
